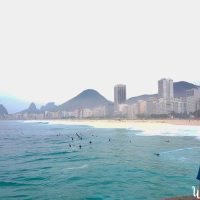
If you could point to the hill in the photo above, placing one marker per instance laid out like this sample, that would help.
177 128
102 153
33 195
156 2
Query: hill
181 87
3 111
179 91
31 110
87 99
49 107
144 97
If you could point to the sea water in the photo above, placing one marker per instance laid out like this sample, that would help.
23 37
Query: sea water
37 162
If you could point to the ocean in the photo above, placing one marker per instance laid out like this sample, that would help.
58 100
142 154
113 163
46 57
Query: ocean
43 161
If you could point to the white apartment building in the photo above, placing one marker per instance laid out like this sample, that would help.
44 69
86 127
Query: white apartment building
123 110
192 99
152 106
179 106
99 111
132 111
87 113
142 107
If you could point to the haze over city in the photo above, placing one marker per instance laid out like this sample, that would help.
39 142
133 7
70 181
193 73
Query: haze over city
52 51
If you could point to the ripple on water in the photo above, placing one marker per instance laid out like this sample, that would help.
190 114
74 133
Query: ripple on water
11 183
39 165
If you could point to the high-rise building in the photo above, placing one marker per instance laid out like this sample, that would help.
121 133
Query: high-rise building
192 98
165 89
119 94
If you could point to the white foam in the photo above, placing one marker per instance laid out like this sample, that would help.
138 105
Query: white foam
36 121
79 167
182 149
168 130
144 129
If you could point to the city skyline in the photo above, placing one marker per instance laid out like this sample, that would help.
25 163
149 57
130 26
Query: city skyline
9 95
96 45
181 102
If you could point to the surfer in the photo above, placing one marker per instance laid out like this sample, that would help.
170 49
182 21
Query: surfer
167 141
157 154
70 145
72 138
109 140
79 136
79 146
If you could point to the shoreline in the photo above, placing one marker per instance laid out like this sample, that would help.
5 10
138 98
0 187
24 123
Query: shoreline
185 122
114 123
123 122
143 127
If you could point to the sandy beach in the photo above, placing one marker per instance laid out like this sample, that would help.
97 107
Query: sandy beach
127 123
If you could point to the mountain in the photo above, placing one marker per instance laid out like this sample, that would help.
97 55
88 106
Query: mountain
181 87
3 111
49 107
31 110
141 97
179 91
87 99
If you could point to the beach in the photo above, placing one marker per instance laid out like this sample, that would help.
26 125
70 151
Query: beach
101 123
145 127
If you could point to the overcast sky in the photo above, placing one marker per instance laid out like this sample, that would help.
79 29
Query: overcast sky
52 50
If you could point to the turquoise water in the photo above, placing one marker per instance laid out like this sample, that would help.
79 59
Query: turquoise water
36 162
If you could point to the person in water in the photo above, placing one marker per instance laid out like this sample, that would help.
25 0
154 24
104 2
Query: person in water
72 138
70 145
109 140
79 136
157 154
79 146
90 142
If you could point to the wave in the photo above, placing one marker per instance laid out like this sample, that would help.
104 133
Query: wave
37 160
55 153
182 149
12 183
79 167
36 121
167 130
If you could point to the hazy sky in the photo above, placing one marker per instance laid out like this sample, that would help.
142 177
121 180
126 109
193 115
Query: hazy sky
52 50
